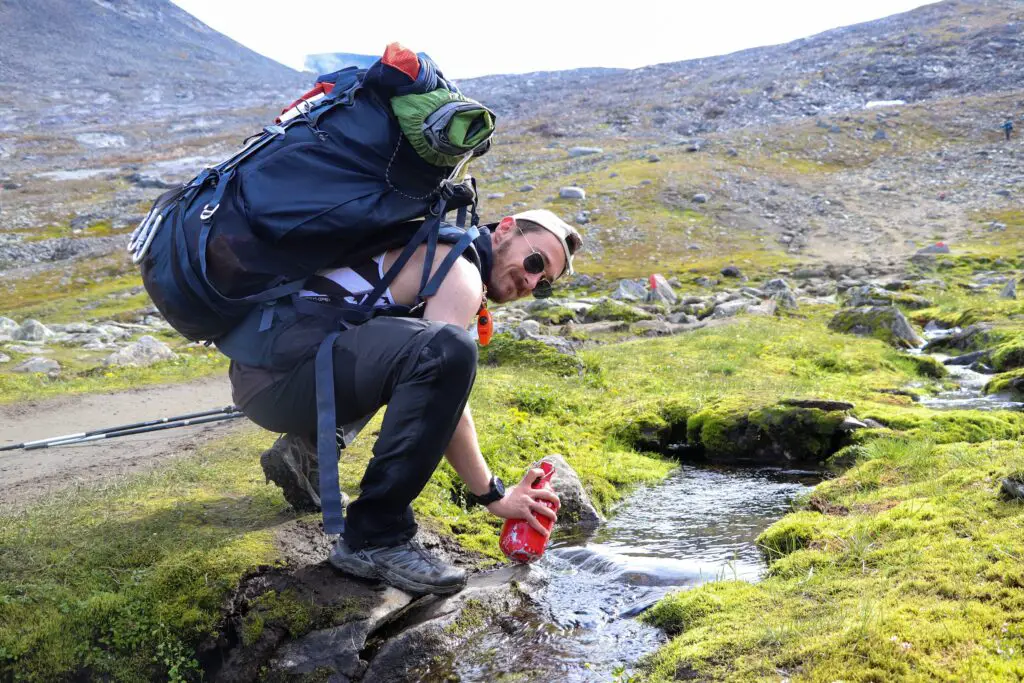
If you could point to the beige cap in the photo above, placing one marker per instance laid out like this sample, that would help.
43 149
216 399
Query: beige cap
557 227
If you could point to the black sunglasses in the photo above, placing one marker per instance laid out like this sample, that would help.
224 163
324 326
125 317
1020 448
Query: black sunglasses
534 265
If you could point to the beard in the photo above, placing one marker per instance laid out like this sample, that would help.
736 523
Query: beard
500 288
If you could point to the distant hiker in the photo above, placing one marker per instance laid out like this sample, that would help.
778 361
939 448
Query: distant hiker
1008 128
422 366
318 259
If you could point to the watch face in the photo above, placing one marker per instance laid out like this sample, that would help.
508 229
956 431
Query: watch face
499 487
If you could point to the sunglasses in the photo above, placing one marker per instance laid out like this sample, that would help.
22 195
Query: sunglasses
534 265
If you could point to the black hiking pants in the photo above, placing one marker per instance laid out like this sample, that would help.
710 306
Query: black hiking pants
423 371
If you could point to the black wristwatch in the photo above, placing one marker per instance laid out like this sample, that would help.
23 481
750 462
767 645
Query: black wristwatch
496 492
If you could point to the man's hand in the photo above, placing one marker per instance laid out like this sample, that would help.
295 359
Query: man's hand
522 501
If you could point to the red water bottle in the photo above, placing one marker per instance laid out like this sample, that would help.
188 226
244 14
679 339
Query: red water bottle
519 541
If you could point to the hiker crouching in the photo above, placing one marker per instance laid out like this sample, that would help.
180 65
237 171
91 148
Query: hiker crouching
421 365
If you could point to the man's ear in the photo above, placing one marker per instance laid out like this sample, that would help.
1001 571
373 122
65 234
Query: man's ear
504 228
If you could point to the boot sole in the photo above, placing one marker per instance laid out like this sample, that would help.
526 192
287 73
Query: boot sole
278 472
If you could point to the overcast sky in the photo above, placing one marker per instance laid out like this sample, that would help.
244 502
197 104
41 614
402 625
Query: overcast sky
478 38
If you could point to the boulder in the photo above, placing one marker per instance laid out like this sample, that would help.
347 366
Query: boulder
142 353
931 249
661 291
882 322
630 290
731 271
576 507
7 328
32 330
730 309
38 364
1010 290
572 192
972 337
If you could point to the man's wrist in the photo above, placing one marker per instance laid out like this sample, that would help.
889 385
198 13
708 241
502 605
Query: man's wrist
495 492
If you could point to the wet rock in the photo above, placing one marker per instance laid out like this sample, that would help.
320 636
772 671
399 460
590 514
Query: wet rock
882 322
142 353
434 628
630 290
575 152
661 291
32 330
1010 290
37 364
732 271
969 358
576 506
970 338
338 649
572 192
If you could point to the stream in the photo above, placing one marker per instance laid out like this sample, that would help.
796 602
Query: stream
698 525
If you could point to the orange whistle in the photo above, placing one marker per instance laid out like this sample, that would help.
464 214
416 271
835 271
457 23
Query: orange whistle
484 325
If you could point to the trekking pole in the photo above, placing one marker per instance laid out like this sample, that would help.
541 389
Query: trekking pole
137 430
40 443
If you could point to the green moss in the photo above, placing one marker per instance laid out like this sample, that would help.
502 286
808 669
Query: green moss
1008 356
1011 383
609 309
926 366
505 350
556 315
877 322
793 532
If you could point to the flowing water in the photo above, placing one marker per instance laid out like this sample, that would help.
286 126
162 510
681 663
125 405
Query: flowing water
698 525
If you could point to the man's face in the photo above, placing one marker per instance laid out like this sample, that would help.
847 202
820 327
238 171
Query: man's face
509 278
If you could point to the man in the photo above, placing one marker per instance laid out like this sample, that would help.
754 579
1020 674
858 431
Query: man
423 370
1008 127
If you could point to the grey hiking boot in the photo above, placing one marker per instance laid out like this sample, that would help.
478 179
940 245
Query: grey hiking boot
407 566
291 464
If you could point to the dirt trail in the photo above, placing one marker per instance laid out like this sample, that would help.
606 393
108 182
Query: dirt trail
28 475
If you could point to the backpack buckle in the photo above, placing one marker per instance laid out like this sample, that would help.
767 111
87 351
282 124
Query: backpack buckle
207 213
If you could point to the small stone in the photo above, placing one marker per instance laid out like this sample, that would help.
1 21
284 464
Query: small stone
496 195
937 248
786 299
776 286
572 192
527 188
584 151
1010 290
527 328
1012 487
37 364
700 199
654 158
880 135
582 218
731 271
732 152
730 309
